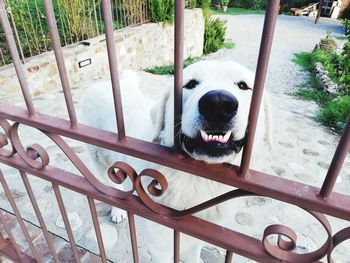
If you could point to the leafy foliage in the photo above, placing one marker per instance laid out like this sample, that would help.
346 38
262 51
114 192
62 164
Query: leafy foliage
336 112
214 34
335 108
169 69
162 10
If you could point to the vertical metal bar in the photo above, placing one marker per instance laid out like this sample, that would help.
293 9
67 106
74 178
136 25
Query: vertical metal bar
25 33
228 257
124 14
40 25
2 57
97 229
319 11
11 237
95 14
18 216
16 34
34 32
39 216
66 221
91 22
132 229
260 76
176 246
62 25
15 58
51 21
178 54
337 162
113 67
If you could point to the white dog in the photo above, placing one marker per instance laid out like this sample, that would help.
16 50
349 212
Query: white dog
216 101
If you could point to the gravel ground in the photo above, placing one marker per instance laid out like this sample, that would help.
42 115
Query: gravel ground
302 151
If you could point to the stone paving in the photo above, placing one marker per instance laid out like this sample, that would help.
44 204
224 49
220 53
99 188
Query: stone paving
302 152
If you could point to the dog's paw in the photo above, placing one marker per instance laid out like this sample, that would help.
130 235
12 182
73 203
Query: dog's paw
118 215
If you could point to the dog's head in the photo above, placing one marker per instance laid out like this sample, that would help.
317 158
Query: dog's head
216 100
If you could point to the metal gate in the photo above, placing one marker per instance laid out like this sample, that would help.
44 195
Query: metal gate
35 161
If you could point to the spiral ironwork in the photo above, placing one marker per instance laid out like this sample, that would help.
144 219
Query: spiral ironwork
37 157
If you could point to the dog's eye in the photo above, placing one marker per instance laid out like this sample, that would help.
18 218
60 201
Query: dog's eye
191 84
242 85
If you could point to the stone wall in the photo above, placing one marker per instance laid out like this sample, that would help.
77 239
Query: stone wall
138 47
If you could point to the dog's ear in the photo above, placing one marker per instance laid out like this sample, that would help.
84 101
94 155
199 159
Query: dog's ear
157 117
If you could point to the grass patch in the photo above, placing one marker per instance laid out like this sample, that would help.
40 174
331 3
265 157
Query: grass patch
229 45
238 11
335 109
169 69
304 60
335 113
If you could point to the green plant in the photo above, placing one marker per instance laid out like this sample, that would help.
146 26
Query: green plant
162 11
214 34
328 43
169 69
335 113
225 2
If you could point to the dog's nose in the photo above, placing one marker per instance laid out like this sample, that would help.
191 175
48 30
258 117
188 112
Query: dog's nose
218 106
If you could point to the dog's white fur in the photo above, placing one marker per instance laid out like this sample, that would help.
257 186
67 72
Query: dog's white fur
145 119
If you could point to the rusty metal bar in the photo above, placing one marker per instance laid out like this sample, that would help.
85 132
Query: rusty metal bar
262 184
39 216
10 235
66 221
95 16
113 67
228 257
178 76
176 246
319 11
7 249
51 22
15 58
61 20
32 25
260 76
97 229
40 25
189 225
18 216
2 57
337 162
16 34
133 237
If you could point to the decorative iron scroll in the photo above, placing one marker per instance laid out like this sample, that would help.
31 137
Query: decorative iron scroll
37 157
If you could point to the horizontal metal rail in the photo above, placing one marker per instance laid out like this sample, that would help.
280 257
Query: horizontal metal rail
278 188
190 225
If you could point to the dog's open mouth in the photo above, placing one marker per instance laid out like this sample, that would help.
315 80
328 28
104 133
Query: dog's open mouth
212 143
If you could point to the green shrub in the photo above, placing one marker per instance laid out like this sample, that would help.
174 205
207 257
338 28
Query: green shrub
203 3
162 11
214 34
335 113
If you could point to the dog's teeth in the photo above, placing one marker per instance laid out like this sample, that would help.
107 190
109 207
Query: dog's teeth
215 137
210 137
227 136
204 135
221 139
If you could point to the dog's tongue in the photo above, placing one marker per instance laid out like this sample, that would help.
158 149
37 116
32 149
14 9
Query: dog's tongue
215 138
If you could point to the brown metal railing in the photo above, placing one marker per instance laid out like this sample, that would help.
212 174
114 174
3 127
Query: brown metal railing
35 161
77 20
